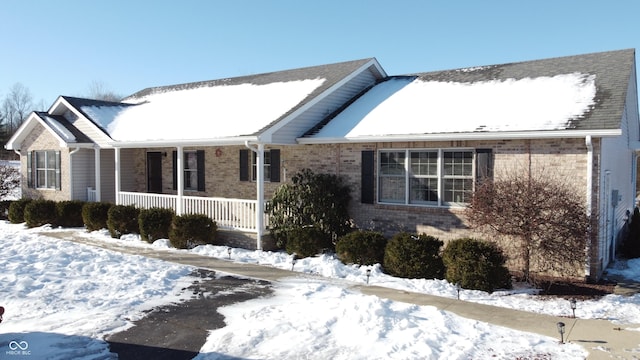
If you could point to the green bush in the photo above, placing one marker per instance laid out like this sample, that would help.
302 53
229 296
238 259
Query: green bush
475 264
306 241
155 223
189 231
95 215
4 209
631 244
40 212
310 200
69 213
361 247
16 210
414 256
122 219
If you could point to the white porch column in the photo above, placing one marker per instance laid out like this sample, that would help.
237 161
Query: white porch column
260 195
180 178
96 152
117 174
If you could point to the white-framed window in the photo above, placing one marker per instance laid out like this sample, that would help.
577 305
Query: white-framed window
436 177
190 170
46 169
266 167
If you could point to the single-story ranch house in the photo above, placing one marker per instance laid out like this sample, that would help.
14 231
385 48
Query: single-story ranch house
411 147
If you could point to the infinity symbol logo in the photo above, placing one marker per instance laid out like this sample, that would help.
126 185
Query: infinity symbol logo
22 345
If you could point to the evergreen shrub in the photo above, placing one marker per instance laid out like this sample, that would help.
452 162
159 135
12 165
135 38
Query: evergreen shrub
122 219
361 247
4 209
95 215
40 212
476 264
189 231
69 213
306 241
155 223
414 256
16 210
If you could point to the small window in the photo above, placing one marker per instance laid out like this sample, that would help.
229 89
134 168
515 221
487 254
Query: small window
47 169
267 166
190 170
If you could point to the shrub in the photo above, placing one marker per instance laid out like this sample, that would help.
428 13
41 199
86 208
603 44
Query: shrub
95 215
361 247
16 210
306 241
69 213
155 223
475 264
122 219
4 209
414 256
40 212
631 244
188 231
317 200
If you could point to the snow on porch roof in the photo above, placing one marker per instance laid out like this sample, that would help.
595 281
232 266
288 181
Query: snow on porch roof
218 109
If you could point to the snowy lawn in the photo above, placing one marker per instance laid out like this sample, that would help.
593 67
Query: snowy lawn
63 298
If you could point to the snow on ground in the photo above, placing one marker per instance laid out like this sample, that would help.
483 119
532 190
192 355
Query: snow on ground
63 298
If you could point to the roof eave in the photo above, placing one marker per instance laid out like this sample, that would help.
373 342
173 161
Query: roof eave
236 140
502 135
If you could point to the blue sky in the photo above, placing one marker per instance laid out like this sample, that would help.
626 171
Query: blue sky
61 47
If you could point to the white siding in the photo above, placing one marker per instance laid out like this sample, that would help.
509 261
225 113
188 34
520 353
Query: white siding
91 130
617 176
128 170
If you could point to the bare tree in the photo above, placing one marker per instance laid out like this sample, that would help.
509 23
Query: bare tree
541 216
16 106
99 91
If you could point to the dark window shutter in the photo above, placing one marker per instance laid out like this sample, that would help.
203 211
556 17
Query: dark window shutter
244 165
174 165
275 165
484 164
58 172
367 177
200 164
30 180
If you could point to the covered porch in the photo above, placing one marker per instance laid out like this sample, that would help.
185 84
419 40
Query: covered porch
234 216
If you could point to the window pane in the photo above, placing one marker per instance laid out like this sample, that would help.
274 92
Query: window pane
424 190
190 170
51 159
392 189
392 163
40 160
457 190
41 178
458 163
424 163
51 178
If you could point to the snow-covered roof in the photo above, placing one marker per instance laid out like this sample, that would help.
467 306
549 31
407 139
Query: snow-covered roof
201 113
215 110
584 92
409 105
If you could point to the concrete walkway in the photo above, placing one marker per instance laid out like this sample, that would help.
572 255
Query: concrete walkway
601 338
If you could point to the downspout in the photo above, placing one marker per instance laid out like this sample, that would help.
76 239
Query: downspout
71 172
589 203
259 150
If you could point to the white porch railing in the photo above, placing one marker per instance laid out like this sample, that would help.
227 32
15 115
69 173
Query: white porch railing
230 214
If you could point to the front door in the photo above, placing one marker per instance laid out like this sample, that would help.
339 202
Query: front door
154 172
